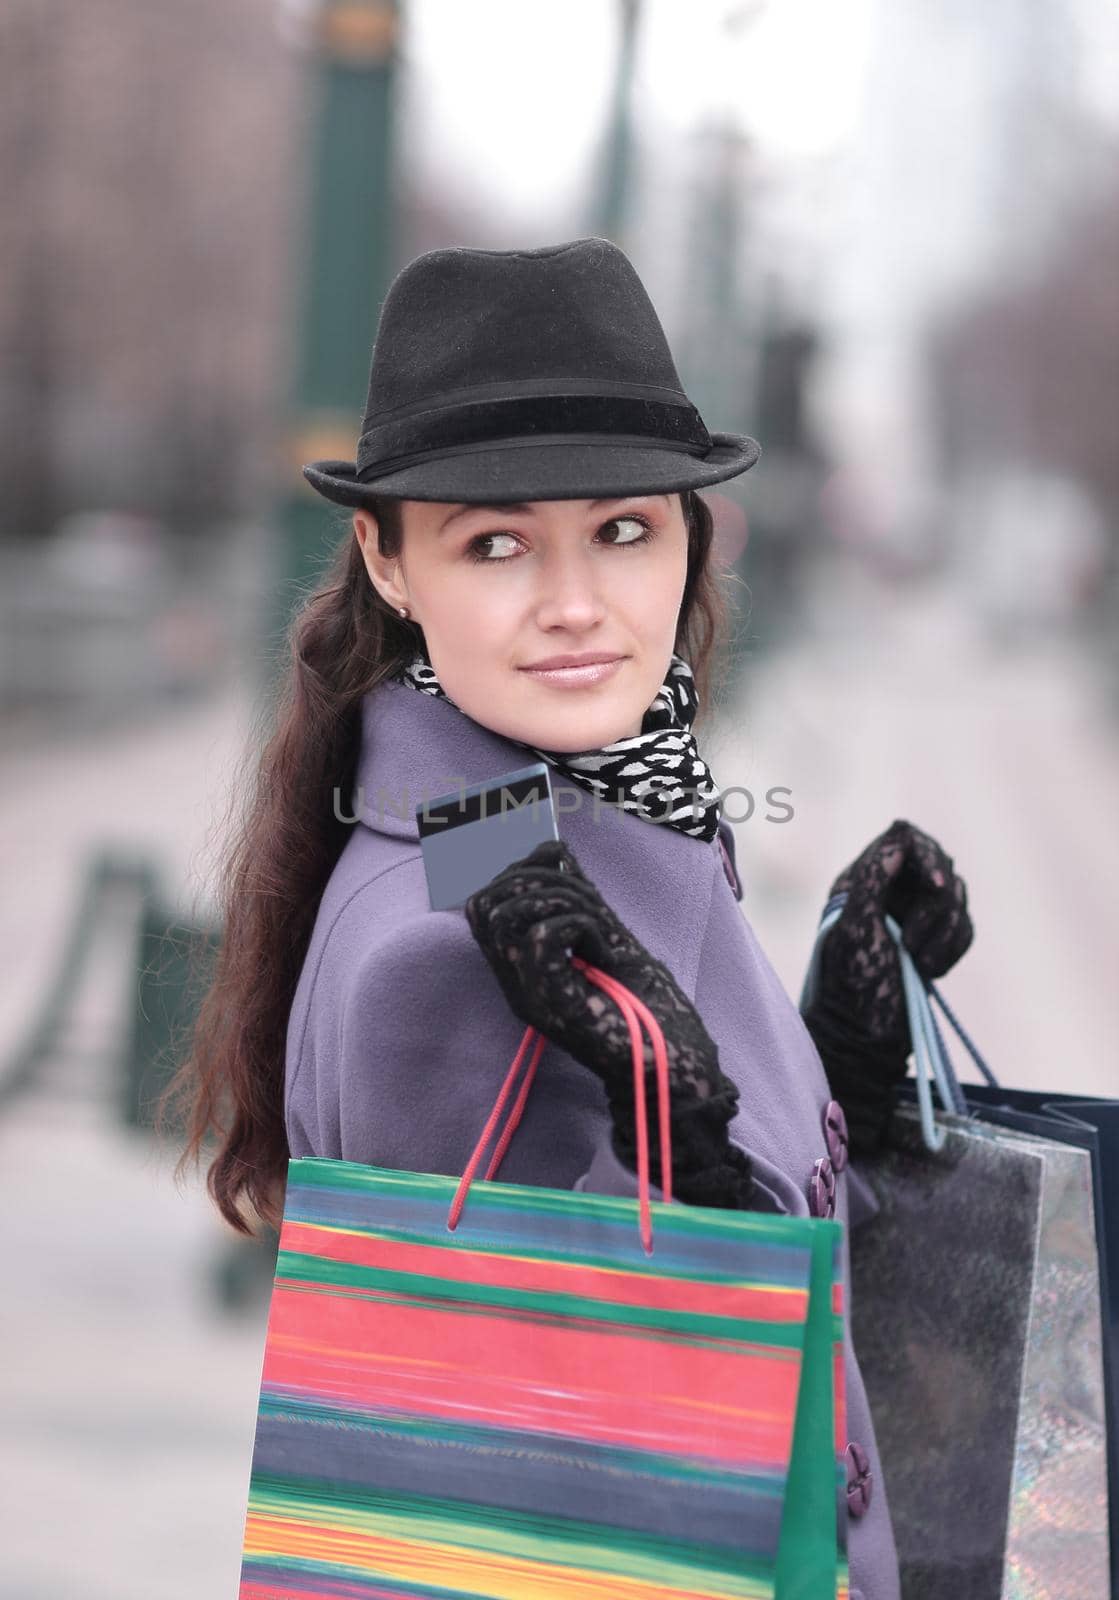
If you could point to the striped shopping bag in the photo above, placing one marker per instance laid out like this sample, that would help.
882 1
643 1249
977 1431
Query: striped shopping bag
529 1397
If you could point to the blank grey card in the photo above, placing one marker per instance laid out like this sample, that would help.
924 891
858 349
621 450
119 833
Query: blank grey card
470 835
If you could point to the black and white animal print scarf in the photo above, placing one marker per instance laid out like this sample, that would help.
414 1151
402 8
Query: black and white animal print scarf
658 773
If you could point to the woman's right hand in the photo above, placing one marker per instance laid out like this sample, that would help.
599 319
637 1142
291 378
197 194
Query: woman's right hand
538 913
529 921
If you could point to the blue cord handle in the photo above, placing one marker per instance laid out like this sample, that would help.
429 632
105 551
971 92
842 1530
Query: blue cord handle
932 1063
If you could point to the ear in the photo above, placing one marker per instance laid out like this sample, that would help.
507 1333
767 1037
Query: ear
384 571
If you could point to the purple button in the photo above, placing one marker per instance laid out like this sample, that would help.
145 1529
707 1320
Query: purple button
860 1480
835 1134
821 1189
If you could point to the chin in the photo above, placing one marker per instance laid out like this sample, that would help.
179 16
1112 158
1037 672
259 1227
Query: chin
586 729
573 721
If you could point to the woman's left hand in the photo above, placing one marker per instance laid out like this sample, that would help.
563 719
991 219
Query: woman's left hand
858 1019
904 874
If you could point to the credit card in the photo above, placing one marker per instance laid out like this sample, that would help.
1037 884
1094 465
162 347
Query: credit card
471 834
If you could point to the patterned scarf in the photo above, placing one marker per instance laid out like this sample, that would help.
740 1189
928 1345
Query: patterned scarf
657 774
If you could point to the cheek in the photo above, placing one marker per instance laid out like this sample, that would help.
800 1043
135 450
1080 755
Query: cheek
482 608
445 594
652 595
471 619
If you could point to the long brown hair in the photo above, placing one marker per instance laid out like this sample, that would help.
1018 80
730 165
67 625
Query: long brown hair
344 641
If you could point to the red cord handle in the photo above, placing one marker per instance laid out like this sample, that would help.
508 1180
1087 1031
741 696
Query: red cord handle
635 1013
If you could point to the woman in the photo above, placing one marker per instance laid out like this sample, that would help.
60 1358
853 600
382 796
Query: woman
524 493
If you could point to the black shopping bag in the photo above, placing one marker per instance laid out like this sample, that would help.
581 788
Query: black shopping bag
979 1298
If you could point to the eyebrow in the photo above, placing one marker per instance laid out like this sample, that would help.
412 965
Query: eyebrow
524 505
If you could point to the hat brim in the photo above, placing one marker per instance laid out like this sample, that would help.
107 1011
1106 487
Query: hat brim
557 469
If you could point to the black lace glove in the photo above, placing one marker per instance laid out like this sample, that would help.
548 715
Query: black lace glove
529 921
858 1019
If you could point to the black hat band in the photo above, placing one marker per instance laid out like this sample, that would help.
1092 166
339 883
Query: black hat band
675 426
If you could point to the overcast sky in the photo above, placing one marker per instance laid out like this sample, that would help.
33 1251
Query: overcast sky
511 97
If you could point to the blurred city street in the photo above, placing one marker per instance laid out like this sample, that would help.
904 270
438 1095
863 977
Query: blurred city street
889 705
881 240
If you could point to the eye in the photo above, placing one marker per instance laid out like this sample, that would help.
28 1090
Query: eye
488 547
642 534
477 546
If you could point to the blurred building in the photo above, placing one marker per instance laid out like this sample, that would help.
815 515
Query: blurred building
152 153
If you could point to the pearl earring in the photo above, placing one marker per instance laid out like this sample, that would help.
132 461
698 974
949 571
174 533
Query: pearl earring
403 611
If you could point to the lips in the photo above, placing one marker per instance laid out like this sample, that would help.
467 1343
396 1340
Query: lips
589 658
580 671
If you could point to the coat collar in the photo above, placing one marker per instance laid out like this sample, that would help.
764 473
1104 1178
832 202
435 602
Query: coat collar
415 746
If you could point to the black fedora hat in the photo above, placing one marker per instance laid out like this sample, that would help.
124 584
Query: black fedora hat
526 375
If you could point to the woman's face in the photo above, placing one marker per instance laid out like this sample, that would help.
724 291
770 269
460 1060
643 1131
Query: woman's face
506 593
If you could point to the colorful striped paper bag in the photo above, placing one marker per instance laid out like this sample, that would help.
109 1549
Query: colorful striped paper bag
532 1407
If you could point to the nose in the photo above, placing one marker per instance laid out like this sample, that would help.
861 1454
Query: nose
569 594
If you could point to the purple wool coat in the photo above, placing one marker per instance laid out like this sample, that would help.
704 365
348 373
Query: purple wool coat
399 1036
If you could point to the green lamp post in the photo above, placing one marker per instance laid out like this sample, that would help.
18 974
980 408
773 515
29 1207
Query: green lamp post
347 269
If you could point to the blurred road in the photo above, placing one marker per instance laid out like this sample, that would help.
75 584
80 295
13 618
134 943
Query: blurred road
128 1403
128 1399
